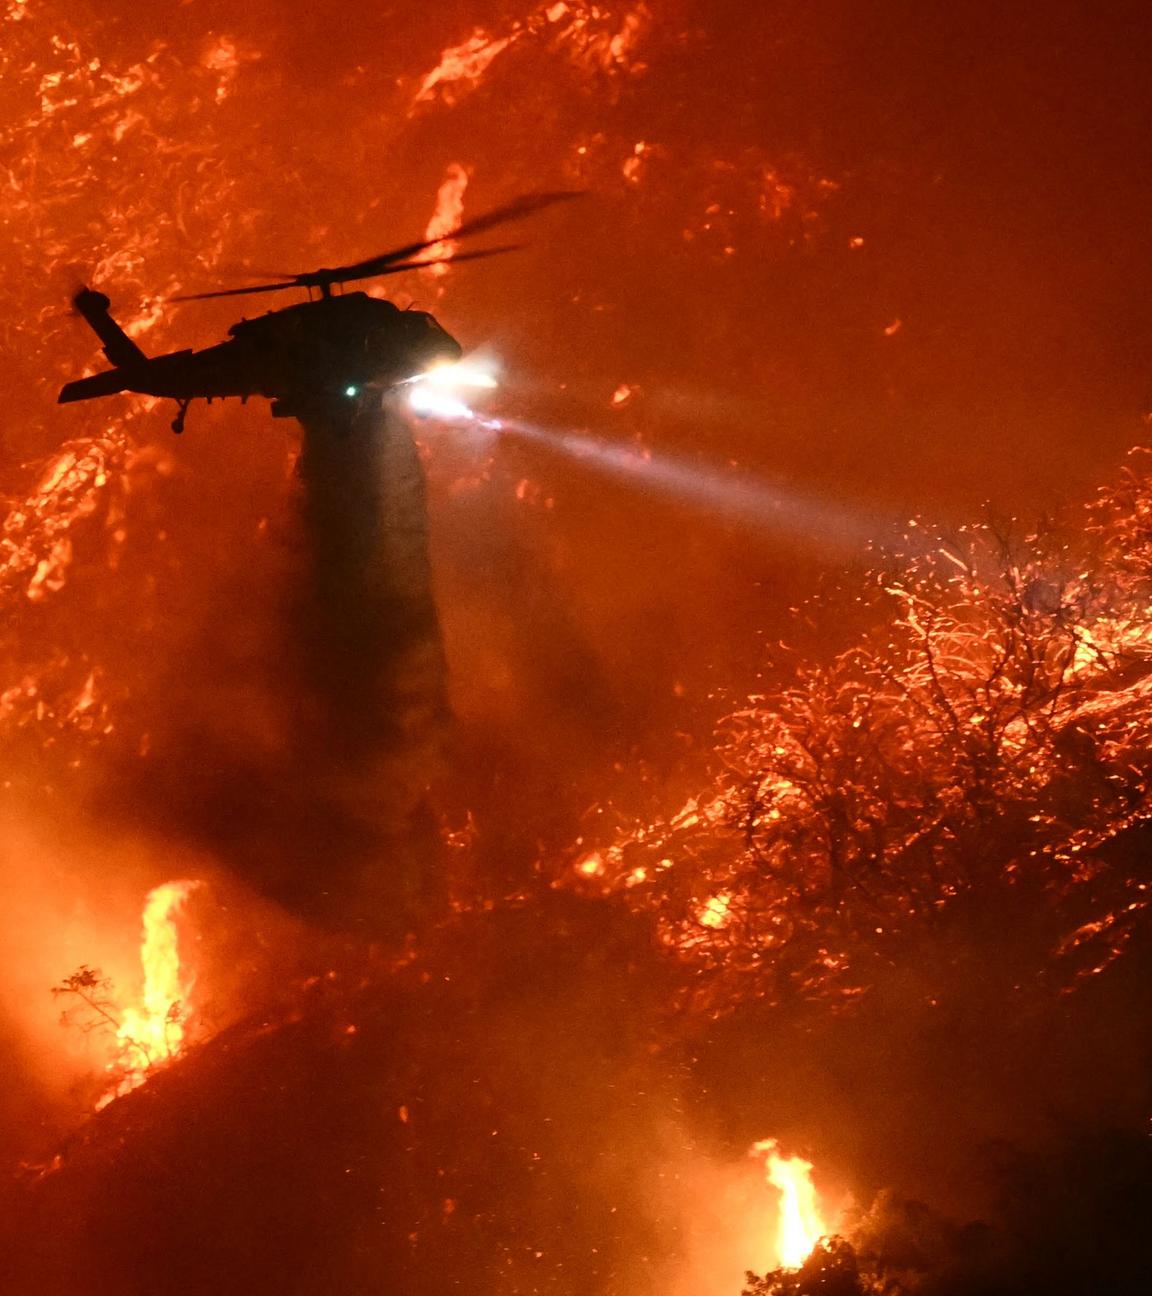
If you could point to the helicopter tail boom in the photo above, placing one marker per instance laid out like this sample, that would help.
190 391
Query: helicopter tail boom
118 346
102 384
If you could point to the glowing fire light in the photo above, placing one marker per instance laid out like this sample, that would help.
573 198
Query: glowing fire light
153 1034
714 913
448 214
591 865
800 1224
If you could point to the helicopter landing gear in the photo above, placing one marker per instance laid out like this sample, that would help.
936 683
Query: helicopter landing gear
178 421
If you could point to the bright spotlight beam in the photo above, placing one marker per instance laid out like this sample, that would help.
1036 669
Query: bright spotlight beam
439 392
740 500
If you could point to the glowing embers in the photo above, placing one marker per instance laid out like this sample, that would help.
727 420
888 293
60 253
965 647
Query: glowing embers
439 393
800 1223
461 68
714 912
594 38
82 481
151 1035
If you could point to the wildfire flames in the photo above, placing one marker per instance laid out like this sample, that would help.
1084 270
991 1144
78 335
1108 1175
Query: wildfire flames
801 1224
152 1035
448 214
742 806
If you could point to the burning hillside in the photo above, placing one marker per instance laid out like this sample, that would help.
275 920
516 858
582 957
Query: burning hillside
560 834
983 746
744 987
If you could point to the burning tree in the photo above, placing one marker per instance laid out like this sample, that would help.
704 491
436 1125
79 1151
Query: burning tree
831 1270
151 1035
982 750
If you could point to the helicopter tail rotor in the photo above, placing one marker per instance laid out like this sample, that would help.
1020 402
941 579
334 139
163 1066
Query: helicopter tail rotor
118 346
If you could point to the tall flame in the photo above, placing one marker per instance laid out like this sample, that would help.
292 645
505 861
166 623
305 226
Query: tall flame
153 1034
448 214
800 1224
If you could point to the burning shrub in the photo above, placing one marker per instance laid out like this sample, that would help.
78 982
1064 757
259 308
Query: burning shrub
985 744
831 1270
1066 1220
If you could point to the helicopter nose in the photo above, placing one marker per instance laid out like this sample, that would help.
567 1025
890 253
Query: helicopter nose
444 350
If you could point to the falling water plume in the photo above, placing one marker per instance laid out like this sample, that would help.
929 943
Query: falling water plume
373 657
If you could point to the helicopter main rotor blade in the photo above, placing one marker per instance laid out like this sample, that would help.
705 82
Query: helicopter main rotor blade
401 258
304 281
515 210
237 292
399 267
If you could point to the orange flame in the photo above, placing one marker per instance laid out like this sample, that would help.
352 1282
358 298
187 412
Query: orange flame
800 1224
714 912
461 67
448 214
153 1034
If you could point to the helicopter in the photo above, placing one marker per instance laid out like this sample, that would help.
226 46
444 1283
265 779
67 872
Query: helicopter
322 352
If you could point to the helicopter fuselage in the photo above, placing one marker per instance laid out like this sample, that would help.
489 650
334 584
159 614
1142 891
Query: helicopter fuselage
308 356
313 353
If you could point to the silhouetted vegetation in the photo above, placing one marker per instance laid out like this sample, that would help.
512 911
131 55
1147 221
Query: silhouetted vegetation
1068 1222
986 743
93 1006
831 1270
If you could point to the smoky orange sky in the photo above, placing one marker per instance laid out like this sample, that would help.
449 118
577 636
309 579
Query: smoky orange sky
878 259
887 258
